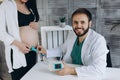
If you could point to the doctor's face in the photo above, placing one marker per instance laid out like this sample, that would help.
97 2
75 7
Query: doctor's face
80 24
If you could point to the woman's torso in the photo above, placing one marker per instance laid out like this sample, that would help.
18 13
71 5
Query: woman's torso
27 34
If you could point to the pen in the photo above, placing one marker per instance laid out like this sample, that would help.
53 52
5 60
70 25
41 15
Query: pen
61 57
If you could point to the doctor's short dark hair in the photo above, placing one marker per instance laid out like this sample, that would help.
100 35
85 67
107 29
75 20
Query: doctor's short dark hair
83 11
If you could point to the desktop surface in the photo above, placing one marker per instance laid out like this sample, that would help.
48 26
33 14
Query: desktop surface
41 72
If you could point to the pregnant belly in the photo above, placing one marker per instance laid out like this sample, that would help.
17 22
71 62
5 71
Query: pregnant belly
29 35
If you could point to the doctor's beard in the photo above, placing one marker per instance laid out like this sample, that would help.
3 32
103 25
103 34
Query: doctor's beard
79 34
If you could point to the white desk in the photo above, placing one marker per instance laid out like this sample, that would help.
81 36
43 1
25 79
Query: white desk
40 72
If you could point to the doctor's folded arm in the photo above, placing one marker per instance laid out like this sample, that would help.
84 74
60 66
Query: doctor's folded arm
83 47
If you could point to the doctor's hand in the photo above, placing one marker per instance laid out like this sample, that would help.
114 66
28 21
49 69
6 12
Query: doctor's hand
34 25
41 49
67 70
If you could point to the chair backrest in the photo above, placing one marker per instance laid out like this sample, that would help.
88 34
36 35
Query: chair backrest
109 62
53 36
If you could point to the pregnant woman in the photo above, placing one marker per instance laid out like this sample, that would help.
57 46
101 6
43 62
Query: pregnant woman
18 31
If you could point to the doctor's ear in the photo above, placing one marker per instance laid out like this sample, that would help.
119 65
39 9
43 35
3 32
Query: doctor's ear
90 23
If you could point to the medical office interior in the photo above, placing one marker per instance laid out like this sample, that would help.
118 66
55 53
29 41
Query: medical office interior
106 21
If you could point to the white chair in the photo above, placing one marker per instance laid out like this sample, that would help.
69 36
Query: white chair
53 36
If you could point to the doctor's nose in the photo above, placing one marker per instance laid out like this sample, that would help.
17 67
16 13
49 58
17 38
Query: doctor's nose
79 25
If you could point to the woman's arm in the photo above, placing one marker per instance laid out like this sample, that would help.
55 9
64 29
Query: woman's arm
25 48
32 4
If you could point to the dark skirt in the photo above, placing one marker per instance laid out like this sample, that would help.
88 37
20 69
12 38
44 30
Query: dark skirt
31 59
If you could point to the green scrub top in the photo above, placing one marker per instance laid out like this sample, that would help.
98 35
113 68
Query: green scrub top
76 52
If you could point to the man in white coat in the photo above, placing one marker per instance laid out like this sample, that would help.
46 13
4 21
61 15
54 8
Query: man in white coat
83 46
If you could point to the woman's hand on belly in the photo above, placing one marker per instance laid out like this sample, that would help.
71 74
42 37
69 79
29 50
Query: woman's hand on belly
34 25
23 47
